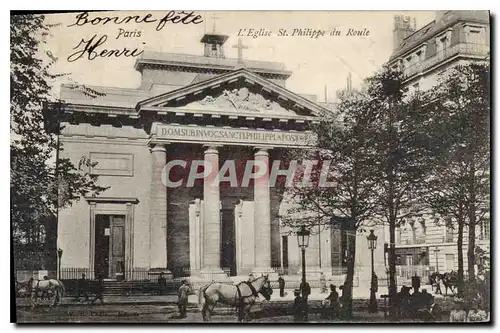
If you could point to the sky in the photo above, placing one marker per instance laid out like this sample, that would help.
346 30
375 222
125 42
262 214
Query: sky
315 62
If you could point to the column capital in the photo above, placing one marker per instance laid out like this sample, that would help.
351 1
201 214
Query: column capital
158 147
211 149
261 151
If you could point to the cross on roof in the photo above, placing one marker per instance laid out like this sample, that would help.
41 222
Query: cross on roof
214 18
240 48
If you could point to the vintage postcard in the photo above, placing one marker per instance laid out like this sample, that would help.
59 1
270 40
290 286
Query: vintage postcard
250 166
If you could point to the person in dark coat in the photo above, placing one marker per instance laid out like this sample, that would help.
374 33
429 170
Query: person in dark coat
334 303
99 291
299 314
82 288
281 284
162 283
183 294
305 290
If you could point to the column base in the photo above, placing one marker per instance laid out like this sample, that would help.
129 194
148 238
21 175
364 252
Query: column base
259 271
213 275
156 271
313 273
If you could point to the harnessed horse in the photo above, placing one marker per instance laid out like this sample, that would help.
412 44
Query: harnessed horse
241 295
33 287
449 280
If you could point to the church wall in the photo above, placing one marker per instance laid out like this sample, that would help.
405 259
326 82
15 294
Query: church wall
74 222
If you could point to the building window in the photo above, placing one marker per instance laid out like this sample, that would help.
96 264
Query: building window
443 43
475 36
448 238
450 262
419 55
484 230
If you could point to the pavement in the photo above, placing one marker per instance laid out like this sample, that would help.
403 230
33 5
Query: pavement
359 293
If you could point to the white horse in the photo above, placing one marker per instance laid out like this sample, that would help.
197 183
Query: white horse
242 296
33 287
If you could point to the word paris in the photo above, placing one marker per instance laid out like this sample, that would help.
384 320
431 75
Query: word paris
172 17
240 174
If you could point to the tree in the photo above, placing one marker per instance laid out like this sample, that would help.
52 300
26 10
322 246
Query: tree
36 182
402 146
459 186
345 144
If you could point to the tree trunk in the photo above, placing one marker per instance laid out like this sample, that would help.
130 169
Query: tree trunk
349 279
460 238
471 258
392 267
471 210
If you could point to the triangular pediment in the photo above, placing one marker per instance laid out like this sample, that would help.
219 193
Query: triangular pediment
238 92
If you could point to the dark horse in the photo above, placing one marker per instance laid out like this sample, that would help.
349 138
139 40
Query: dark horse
449 280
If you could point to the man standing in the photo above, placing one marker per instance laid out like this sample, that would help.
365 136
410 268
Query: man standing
333 300
305 290
183 294
82 288
162 283
281 284
299 314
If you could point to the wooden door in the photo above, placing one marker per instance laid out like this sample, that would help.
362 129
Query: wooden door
117 246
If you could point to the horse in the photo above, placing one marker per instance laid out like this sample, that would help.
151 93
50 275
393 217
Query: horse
242 296
33 287
450 281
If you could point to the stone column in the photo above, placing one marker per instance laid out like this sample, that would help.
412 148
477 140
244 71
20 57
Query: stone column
211 219
158 211
262 215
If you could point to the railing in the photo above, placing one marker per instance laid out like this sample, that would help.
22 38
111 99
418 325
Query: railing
73 273
461 48
407 271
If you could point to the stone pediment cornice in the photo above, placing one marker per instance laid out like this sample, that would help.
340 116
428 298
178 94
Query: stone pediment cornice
236 93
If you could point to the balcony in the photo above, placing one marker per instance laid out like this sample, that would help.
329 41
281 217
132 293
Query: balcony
468 49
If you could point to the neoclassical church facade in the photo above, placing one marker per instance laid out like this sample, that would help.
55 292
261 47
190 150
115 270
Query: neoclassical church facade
188 108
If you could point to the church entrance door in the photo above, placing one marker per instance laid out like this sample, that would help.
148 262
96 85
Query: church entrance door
228 246
109 255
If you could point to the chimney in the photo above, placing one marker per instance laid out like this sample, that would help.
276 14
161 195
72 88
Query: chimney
403 27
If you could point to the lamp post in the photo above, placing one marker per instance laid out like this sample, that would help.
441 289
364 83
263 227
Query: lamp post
436 251
303 241
372 245
59 256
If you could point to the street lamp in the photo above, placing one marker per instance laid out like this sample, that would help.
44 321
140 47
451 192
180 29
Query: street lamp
372 245
303 241
59 256
436 251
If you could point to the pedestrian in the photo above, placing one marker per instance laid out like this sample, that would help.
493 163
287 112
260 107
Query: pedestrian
281 284
458 313
322 282
298 307
82 288
438 284
305 290
183 294
99 290
477 314
333 301
162 283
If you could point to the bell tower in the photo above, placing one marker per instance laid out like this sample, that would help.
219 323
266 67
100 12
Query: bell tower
214 43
